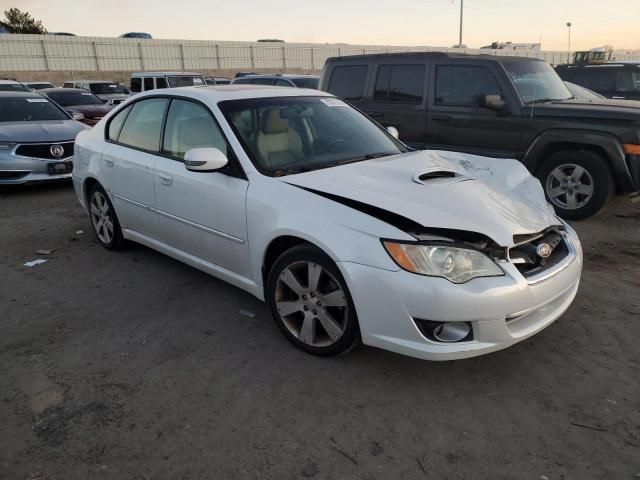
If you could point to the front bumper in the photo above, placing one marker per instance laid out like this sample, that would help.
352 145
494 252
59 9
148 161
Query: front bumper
17 170
501 310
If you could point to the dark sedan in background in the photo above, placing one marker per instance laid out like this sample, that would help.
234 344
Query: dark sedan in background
37 138
80 102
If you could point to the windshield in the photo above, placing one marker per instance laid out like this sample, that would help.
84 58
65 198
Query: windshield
39 86
185 81
107 88
295 134
29 109
536 81
13 87
306 82
581 92
68 99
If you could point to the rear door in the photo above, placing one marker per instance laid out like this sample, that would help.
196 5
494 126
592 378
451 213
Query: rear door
457 121
397 97
597 78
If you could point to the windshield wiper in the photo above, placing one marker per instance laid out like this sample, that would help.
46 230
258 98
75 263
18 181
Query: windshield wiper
368 156
546 100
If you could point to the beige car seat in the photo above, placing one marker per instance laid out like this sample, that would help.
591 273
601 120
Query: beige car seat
278 145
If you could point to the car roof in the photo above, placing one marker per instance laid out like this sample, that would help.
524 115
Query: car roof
20 94
39 83
220 93
161 74
63 90
90 81
629 64
6 81
283 75
427 55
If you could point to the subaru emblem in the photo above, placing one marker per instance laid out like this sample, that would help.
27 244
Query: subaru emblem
57 150
544 250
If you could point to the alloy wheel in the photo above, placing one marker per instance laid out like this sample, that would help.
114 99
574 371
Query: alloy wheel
569 186
101 217
311 303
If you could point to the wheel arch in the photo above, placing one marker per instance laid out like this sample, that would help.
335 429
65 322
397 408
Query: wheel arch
280 244
87 185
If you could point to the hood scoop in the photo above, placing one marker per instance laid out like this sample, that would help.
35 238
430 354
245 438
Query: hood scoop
440 176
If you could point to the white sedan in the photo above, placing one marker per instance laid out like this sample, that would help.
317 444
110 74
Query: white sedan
304 202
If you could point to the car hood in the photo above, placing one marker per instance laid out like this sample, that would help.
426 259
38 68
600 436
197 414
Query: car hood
437 189
583 108
90 110
45 131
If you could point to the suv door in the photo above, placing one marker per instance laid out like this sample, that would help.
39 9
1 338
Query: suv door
456 119
598 78
628 83
129 160
201 213
398 99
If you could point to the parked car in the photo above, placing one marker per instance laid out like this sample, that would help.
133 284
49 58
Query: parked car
281 80
79 102
9 85
612 80
136 35
243 74
217 80
36 139
581 92
504 107
145 81
315 208
39 85
111 93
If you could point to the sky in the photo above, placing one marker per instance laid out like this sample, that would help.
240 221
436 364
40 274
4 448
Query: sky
368 22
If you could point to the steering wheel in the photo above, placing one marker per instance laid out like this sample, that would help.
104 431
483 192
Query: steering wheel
331 144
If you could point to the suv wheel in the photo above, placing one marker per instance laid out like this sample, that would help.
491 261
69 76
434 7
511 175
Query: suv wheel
311 304
577 183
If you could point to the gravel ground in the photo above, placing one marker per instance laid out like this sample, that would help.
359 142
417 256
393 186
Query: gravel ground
130 365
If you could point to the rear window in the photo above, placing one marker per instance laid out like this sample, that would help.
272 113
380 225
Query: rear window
136 84
348 82
67 99
29 109
185 81
106 88
400 83
306 82
263 81
598 79
13 87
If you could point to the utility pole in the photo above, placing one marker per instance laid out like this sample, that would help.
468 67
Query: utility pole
461 12
569 48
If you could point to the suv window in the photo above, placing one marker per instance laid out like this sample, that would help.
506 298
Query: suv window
464 86
190 125
148 83
282 83
628 80
136 84
348 82
598 79
400 83
263 81
143 125
115 124
67 85
161 82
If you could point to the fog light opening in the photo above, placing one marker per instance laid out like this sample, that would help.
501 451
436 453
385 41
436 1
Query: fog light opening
451 332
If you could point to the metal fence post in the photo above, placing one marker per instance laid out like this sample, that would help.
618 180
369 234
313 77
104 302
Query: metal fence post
251 55
44 55
284 58
182 57
313 61
95 55
218 55
141 57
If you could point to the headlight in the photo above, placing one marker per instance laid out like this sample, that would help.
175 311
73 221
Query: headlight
4 146
456 264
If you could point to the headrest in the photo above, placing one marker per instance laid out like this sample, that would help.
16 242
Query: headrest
272 122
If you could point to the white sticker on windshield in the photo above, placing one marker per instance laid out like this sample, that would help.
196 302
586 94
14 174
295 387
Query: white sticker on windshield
37 100
112 86
89 94
333 102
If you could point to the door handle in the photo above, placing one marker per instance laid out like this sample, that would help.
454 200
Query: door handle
441 118
165 179
108 163
376 114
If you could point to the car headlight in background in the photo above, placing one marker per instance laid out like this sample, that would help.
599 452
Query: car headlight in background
4 146
456 264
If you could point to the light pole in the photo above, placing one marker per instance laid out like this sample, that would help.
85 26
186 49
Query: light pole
569 49
461 11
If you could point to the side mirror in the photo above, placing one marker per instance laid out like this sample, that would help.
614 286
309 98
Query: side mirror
205 159
77 116
394 132
494 102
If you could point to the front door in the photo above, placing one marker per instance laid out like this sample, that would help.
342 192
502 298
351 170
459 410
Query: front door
200 213
457 121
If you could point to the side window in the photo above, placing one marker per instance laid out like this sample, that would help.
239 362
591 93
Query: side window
190 125
597 79
67 85
400 83
463 86
136 84
242 81
282 83
348 82
148 83
85 86
161 82
262 81
115 124
628 80
142 127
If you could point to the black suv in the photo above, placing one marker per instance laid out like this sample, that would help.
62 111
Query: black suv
582 151
613 80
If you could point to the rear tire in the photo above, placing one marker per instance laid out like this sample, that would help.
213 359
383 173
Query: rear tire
577 183
104 219
310 302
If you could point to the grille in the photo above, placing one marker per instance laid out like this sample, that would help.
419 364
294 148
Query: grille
527 260
42 150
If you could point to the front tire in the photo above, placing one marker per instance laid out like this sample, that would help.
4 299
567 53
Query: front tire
311 304
104 219
577 183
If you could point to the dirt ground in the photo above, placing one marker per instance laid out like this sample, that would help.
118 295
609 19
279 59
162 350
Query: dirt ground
130 365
